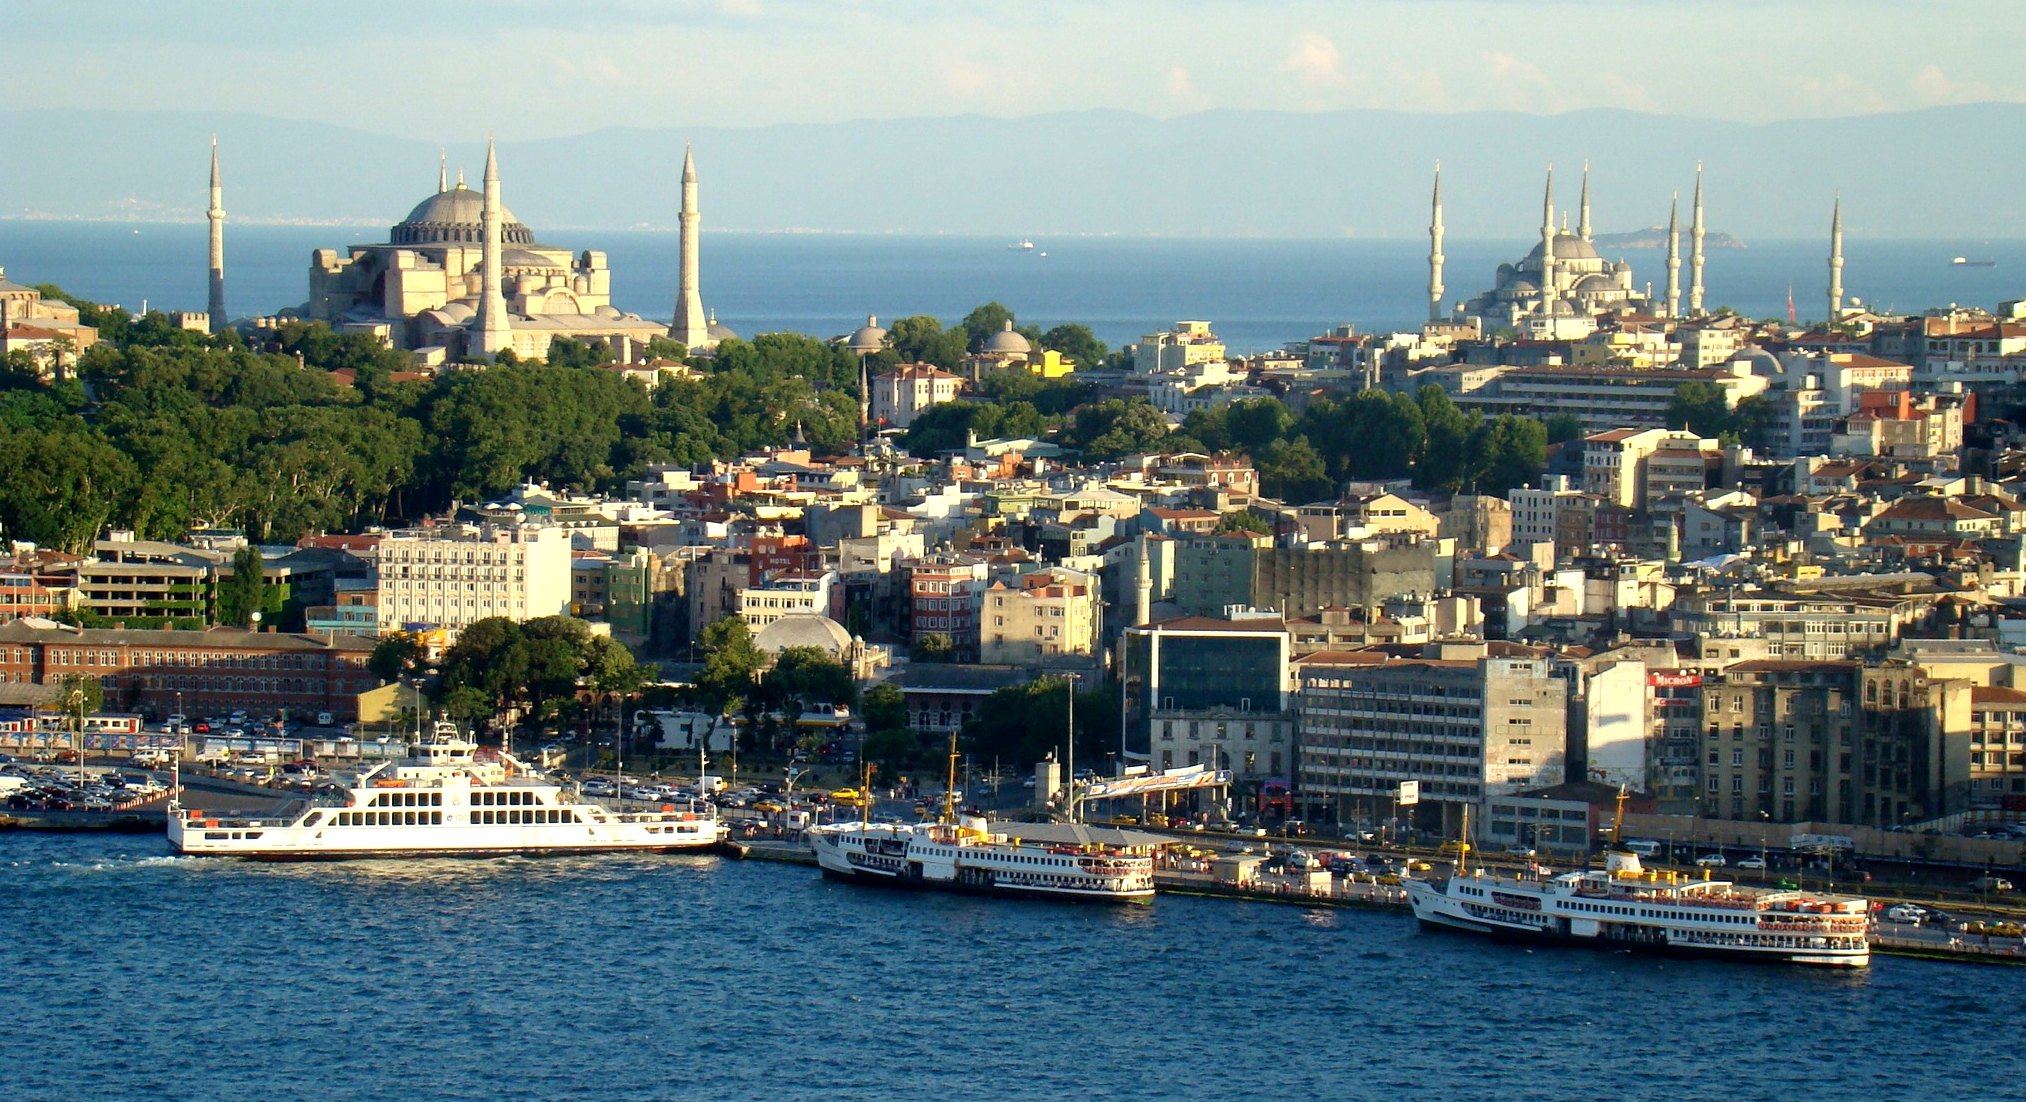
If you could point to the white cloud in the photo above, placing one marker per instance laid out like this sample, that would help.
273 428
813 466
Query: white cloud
1182 89
1315 61
1932 86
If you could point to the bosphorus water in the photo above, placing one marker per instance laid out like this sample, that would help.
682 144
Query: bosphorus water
1257 293
131 974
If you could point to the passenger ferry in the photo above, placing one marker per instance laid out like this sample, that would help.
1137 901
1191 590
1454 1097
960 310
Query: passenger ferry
1624 906
967 853
1059 861
444 800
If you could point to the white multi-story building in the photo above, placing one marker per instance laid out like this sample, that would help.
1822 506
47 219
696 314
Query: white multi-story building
905 393
786 595
1537 513
447 578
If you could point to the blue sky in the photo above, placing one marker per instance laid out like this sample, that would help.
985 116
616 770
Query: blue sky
423 68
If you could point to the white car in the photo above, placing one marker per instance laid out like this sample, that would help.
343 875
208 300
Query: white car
1906 913
1711 860
1757 863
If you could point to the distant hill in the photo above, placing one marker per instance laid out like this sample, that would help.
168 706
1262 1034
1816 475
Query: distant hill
1218 173
1655 237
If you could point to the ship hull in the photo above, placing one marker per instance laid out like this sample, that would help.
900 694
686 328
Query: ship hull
1436 913
1002 891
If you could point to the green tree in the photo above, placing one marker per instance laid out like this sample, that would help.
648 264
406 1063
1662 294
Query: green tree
1077 343
1256 423
885 707
731 667
1118 427
1700 408
1293 472
1563 427
1241 520
395 656
1506 452
1444 461
239 593
981 323
804 676
935 647
922 339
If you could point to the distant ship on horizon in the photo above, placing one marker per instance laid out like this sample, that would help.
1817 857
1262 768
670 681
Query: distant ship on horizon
1022 246
1966 262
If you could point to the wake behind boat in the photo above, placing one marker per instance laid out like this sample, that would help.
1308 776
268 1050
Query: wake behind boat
1623 906
444 800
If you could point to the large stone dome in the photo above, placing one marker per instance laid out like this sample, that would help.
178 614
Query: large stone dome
1568 246
804 629
456 216
868 338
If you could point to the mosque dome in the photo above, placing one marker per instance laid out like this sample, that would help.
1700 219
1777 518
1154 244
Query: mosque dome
1594 284
868 339
1568 246
456 216
718 332
527 258
1007 343
804 629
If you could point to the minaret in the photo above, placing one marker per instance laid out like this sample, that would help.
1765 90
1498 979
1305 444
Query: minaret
1583 220
1674 255
1836 260
1143 611
689 325
1549 292
217 216
495 333
864 398
442 172
1435 251
1695 249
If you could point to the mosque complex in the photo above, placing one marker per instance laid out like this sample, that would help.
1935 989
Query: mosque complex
461 279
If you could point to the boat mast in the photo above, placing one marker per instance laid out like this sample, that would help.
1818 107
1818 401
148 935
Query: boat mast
1069 800
1463 843
1618 821
949 815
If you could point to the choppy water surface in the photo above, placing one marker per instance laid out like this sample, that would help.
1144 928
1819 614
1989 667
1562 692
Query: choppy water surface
131 974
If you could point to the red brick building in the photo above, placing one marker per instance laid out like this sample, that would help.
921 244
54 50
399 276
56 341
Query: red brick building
214 670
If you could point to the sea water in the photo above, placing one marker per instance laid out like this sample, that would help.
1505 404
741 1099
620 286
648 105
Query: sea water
131 974
1258 294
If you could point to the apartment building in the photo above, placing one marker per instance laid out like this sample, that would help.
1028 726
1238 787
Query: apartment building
450 577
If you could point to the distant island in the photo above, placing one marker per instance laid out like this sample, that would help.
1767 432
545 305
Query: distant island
1655 237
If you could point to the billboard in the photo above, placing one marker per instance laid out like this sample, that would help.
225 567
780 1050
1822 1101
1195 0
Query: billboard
1410 793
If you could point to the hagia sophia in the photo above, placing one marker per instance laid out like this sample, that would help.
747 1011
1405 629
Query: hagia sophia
430 287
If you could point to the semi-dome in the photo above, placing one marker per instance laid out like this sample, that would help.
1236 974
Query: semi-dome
868 338
527 258
1008 343
456 216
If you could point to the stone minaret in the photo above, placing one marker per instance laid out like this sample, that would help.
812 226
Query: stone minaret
442 172
689 325
1549 291
1674 256
1435 251
217 217
1143 610
864 398
1695 248
1583 219
495 331
1836 260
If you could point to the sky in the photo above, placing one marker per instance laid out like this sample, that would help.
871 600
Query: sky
541 68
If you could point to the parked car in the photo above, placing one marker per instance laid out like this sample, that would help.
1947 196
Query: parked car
1711 861
1906 913
1755 863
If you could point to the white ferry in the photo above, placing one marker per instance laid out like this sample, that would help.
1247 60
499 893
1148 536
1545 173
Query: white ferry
1626 907
1059 861
443 800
